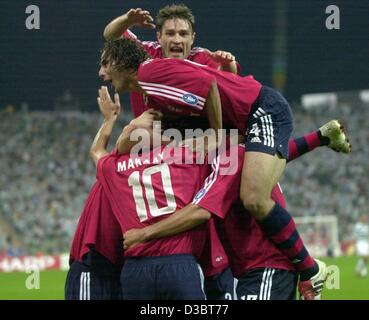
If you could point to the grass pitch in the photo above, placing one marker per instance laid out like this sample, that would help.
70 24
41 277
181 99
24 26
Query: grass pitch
13 285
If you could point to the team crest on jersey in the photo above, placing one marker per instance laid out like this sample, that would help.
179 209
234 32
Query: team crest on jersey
190 99
200 194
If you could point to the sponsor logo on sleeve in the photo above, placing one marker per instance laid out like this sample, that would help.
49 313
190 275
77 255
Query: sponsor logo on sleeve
200 194
190 99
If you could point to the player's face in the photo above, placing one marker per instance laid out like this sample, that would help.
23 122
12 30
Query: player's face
176 38
119 80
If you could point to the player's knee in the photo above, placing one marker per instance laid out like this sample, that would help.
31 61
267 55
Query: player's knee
256 204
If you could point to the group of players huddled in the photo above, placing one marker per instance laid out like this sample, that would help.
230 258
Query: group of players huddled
160 224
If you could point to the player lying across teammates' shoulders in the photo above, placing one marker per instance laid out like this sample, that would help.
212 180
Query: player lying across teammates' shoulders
175 38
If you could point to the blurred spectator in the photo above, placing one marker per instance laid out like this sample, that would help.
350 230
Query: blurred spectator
46 174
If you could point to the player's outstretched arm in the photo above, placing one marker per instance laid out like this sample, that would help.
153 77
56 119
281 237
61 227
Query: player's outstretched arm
110 110
226 60
184 219
133 17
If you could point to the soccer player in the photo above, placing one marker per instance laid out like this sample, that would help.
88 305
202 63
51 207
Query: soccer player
141 190
96 255
361 233
175 37
259 112
263 271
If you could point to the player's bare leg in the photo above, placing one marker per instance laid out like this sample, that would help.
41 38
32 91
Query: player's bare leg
260 174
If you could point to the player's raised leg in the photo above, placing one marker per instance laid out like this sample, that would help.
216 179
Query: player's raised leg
332 134
269 128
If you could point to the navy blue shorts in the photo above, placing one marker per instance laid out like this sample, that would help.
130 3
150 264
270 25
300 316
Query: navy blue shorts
220 286
267 284
270 124
82 284
175 277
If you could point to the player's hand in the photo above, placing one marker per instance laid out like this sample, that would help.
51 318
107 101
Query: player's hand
202 146
141 18
133 237
222 57
108 108
146 119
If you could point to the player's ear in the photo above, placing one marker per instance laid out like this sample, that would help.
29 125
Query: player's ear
193 37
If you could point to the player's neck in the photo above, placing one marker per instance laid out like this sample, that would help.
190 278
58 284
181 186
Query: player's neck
134 85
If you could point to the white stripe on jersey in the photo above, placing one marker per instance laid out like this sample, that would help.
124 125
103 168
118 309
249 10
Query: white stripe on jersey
152 44
267 126
210 179
88 286
266 287
271 130
265 136
172 93
263 283
280 188
202 280
172 89
195 63
131 34
154 93
153 89
270 284
81 286
195 50
235 283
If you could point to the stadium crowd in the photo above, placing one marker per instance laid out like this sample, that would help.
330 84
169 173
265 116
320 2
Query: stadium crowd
327 183
47 174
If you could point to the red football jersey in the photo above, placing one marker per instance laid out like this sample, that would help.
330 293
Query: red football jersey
143 190
213 259
97 228
244 242
182 86
154 49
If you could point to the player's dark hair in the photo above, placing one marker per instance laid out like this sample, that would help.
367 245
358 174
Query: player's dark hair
123 54
179 11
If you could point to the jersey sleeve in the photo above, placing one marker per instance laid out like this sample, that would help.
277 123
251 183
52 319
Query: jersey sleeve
128 34
200 55
102 163
221 189
175 82
153 48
